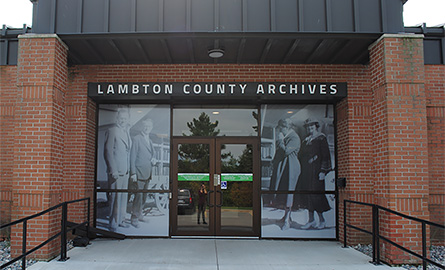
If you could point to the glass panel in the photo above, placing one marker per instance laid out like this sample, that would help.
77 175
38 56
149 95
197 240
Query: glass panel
133 140
143 214
297 146
297 155
133 148
312 216
193 187
218 121
236 187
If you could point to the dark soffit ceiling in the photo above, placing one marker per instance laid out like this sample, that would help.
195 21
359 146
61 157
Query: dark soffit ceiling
239 48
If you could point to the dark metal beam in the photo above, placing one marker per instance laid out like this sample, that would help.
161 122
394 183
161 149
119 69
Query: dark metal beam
191 51
95 52
166 51
241 47
266 51
226 35
344 47
143 52
360 57
443 51
119 52
73 55
291 51
4 48
316 49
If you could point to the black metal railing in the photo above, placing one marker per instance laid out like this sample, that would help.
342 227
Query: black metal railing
63 232
376 237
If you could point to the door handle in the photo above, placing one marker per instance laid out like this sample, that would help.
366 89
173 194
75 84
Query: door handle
208 198
216 180
221 198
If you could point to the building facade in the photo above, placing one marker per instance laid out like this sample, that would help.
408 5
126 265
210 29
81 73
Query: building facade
245 112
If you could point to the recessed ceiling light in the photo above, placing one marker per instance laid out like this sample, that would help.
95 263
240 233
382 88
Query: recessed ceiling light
215 112
216 53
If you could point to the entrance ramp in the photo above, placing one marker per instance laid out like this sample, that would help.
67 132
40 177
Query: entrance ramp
218 254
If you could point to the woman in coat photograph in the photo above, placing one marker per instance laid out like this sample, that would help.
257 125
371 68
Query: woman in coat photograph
315 162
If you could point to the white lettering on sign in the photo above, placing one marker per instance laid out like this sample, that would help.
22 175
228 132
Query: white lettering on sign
110 89
260 89
145 86
263 90
322 89
185 89
123 89
197 89
311 90
156 89
135 89
231 86
243 88
221 89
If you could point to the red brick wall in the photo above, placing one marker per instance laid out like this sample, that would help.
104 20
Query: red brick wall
435 92
39 126
400 140
8 86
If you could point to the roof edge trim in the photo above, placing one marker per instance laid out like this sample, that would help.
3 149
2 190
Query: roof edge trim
420 36
42 36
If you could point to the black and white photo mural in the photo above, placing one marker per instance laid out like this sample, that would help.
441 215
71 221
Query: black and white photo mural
297 171
133 163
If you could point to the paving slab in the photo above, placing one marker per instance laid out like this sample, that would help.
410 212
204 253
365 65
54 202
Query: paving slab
218 254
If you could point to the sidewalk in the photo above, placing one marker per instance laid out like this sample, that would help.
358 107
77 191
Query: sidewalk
218 254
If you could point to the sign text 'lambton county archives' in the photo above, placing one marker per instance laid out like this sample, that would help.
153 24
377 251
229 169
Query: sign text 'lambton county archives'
276 90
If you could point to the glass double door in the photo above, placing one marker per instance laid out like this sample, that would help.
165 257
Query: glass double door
215 187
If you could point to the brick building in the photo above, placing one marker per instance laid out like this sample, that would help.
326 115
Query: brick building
225 86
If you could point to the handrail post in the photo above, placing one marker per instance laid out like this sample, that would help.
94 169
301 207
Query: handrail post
424 254
63 256
25 224
344 224
377 234
374 226
88 218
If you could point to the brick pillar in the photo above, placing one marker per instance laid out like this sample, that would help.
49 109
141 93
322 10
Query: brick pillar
8 86
354 144
39 139
400 139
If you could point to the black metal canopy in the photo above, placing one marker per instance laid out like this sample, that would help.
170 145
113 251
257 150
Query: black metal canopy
248 31
240 48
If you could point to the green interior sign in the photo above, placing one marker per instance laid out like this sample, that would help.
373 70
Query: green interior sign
193 177
236 177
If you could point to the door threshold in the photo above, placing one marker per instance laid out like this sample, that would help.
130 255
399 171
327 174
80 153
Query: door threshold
215 237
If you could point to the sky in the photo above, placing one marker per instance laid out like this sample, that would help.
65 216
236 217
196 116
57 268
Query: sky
15 13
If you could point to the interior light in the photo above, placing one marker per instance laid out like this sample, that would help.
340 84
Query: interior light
289 112
215 112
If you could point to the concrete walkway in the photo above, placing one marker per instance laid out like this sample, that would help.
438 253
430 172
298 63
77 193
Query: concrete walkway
218 254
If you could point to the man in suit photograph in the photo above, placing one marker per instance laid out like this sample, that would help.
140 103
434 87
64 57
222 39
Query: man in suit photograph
117 158
141 164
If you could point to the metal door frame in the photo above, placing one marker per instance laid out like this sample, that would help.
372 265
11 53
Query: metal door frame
215 190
